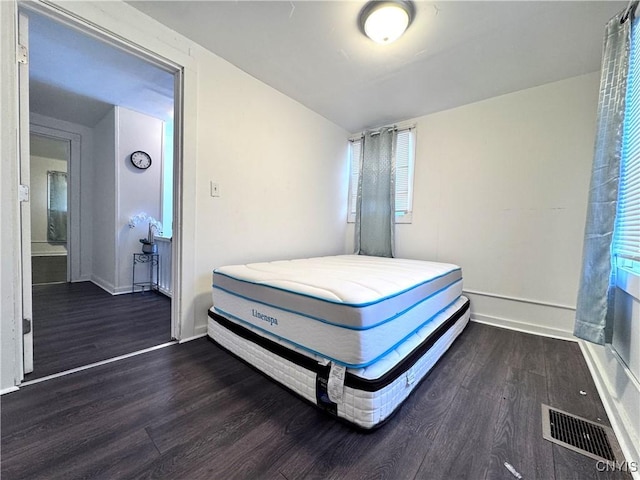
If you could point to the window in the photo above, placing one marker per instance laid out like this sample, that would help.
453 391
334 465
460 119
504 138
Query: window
167 181
626 245
405 155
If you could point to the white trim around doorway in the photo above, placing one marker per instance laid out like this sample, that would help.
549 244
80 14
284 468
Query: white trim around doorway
107 23
75 204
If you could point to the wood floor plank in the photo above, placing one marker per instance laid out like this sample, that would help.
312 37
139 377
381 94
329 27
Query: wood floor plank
527 353
428 404
194 411
83 402
268 444
394 454
490 367
75 324
568 375
260 421
90 427
492 342
335 456
463 443
118 458
68 390
571 465
309 444
520 420
230 404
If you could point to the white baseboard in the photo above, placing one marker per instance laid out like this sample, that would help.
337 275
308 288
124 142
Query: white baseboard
123 290
603 360
165 292
551 319
110 288
103 284
84 278
195 337
198 332
523 327
9 390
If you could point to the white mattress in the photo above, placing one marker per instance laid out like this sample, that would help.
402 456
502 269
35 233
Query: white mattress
350 309
369 396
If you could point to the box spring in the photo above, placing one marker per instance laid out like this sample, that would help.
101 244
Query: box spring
369 396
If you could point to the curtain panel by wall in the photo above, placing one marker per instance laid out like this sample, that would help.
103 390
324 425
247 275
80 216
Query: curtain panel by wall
375 204
594 313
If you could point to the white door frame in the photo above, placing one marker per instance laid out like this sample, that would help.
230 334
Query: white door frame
26 322
57 13
74 198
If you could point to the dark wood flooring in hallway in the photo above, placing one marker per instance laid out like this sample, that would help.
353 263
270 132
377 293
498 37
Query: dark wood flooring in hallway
77 324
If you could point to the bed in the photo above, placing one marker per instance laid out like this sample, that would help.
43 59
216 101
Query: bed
351 334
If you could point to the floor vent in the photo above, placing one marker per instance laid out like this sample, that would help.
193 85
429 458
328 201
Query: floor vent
580 435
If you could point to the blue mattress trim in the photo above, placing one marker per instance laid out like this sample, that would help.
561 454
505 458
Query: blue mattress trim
364 304
338 324
350 365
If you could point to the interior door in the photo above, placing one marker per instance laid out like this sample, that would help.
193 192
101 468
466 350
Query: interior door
25 204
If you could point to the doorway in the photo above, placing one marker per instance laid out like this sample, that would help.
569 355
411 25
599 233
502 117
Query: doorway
50 159
88 286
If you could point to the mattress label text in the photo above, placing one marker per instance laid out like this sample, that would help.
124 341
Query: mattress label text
263 317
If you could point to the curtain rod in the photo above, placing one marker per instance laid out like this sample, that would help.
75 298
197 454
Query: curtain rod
377 130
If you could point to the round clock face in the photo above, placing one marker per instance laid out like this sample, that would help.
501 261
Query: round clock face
141 160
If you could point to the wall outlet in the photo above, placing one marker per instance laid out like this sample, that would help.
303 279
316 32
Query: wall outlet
215 189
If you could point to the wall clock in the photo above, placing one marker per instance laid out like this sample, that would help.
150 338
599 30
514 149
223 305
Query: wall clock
141 160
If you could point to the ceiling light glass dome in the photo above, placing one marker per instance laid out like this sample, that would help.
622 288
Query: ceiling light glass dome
386 21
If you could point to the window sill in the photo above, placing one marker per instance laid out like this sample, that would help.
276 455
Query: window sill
629 282
408 218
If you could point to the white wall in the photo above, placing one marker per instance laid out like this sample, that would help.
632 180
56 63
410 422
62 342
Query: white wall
280 168
136 190
104 203
500 189
81 184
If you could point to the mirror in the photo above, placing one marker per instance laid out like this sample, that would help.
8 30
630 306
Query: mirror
56 207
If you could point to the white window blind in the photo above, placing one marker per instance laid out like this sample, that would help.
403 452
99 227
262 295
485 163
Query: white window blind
404 177
627 232
404 158
355 147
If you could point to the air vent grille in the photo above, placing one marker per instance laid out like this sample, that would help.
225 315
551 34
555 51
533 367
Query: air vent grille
580 435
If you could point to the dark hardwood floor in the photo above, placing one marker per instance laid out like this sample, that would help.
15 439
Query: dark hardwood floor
193 411
76 324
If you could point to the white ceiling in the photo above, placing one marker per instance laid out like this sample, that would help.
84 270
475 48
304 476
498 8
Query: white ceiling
454 52
78 78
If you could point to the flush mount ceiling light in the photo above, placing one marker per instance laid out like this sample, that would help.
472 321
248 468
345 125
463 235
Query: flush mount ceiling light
385 21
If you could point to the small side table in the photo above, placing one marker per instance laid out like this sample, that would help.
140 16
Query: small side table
153 259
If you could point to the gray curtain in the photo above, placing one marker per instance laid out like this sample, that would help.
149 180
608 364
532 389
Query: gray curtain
594 314
375 205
